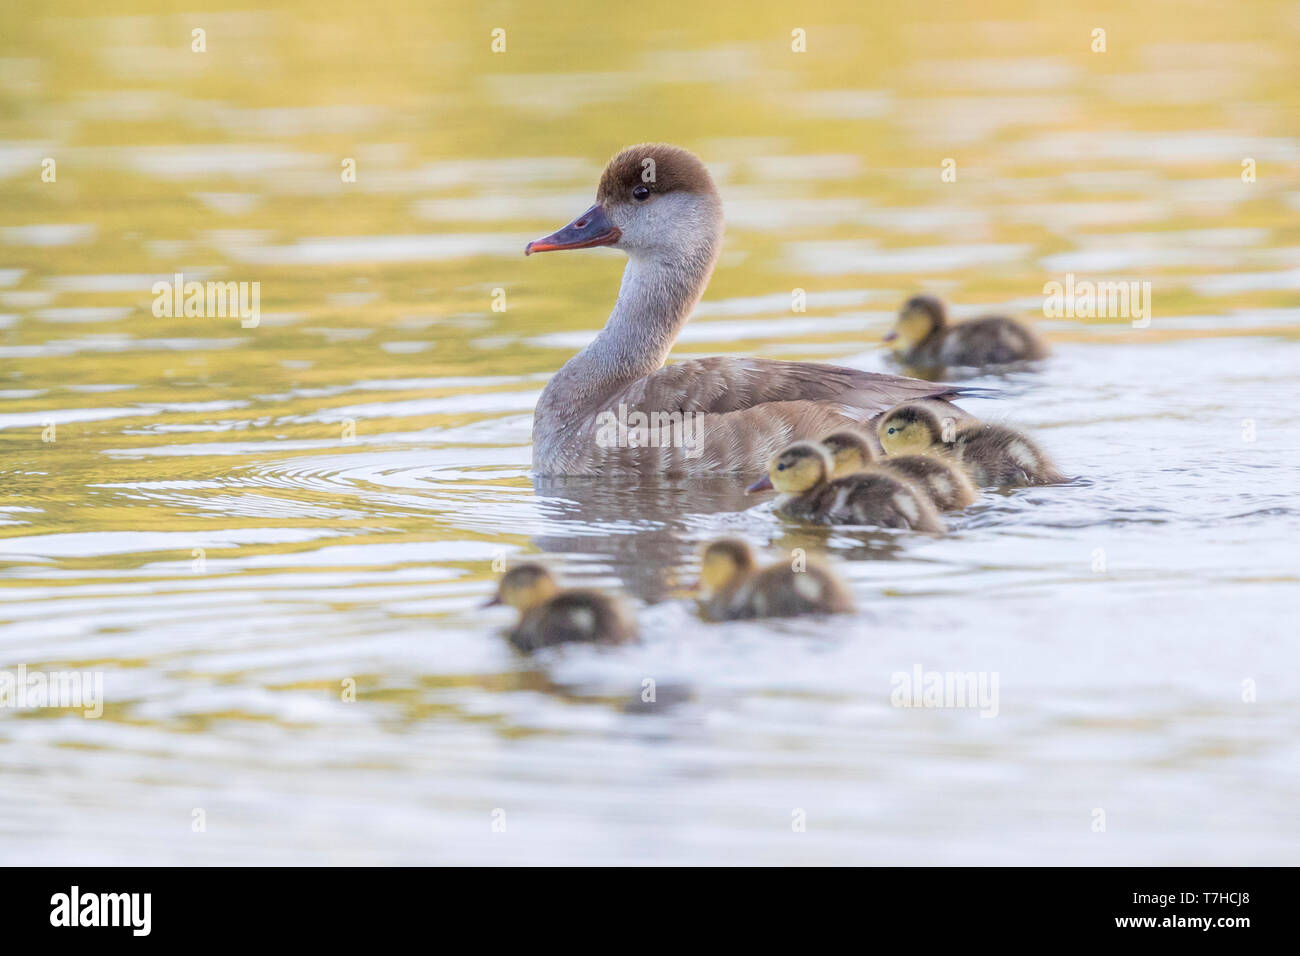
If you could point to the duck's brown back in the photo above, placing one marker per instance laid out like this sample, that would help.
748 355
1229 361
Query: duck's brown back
947 484
808 506
781 591
722 415
997 456
877 497
575 616
992 340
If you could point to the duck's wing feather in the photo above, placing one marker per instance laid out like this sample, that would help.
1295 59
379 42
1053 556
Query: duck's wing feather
991 340
729 384
741 411
710 443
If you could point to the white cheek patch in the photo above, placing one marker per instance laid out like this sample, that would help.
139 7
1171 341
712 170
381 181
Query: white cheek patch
942 485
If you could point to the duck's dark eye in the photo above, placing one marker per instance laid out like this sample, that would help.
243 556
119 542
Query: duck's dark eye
892 430
641 193
780 467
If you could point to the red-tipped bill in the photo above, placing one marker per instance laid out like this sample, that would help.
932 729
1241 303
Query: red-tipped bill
592 228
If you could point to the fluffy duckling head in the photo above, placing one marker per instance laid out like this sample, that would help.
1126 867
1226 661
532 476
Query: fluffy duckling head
849 451
796 469
919 318
723 563
910 430
525 586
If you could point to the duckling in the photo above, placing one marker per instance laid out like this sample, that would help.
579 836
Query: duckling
733 588
802 474
549 615
945 482
923 337
995 455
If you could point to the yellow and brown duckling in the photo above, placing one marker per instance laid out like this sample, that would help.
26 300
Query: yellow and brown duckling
550 615
802 474
947 484
923 337
733 587
994 455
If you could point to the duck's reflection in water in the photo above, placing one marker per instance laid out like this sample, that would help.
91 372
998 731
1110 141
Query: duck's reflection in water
650 530
647 533
647 529
841 543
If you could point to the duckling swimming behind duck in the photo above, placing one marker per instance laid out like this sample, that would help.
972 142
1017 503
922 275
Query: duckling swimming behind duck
873 496
549 615
945 482
923 337
732 587
995 455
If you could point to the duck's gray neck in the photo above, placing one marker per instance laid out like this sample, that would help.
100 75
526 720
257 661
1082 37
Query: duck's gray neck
655 299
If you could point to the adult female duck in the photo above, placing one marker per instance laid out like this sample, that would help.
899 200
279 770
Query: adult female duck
658 204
